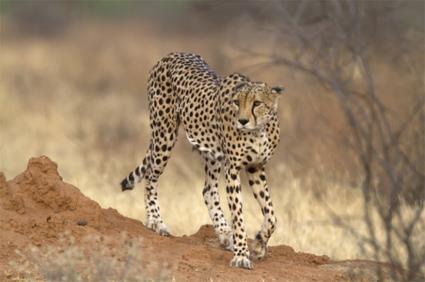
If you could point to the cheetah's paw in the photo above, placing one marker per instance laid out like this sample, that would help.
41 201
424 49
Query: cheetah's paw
259 249
241 261
158 226
226 239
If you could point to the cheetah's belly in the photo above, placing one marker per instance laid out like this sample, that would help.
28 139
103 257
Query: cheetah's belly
208 151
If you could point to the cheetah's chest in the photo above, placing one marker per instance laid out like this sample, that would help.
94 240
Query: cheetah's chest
257 150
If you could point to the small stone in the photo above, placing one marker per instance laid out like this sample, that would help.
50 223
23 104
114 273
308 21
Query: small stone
82 222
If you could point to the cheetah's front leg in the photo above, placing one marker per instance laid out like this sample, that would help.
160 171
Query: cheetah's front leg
234 198
257 180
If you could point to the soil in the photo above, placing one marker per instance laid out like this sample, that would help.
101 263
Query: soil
37 206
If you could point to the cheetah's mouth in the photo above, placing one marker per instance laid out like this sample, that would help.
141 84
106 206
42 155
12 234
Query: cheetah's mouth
246 128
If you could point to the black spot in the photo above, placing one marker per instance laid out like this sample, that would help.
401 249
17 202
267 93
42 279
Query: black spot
234 176
137 171
258 237
263 177
205 190
262 194
252 169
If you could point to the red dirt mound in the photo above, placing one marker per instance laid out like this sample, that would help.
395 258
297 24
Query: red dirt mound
36 207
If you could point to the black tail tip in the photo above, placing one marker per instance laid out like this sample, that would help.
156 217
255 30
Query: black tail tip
126 185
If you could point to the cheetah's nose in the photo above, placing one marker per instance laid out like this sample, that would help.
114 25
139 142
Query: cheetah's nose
243 121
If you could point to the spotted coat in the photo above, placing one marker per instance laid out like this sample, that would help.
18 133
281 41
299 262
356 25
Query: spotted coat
232 122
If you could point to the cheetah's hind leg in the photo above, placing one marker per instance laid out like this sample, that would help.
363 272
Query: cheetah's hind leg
212 201
164 128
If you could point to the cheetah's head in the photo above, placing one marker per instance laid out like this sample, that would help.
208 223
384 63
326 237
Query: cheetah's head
255 104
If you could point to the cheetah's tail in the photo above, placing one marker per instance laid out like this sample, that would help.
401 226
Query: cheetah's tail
135 176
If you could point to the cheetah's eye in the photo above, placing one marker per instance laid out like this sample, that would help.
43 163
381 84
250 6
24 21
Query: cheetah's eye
257 103
236 102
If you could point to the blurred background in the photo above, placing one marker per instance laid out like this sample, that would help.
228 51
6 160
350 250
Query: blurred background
348 177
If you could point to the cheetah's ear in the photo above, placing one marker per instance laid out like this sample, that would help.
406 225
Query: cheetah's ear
277 90
240 86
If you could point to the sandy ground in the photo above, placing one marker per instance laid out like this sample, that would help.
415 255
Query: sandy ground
36 207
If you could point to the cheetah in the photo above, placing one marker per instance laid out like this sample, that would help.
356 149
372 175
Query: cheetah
232 122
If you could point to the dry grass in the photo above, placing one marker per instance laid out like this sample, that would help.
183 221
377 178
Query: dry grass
91 260
80 99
